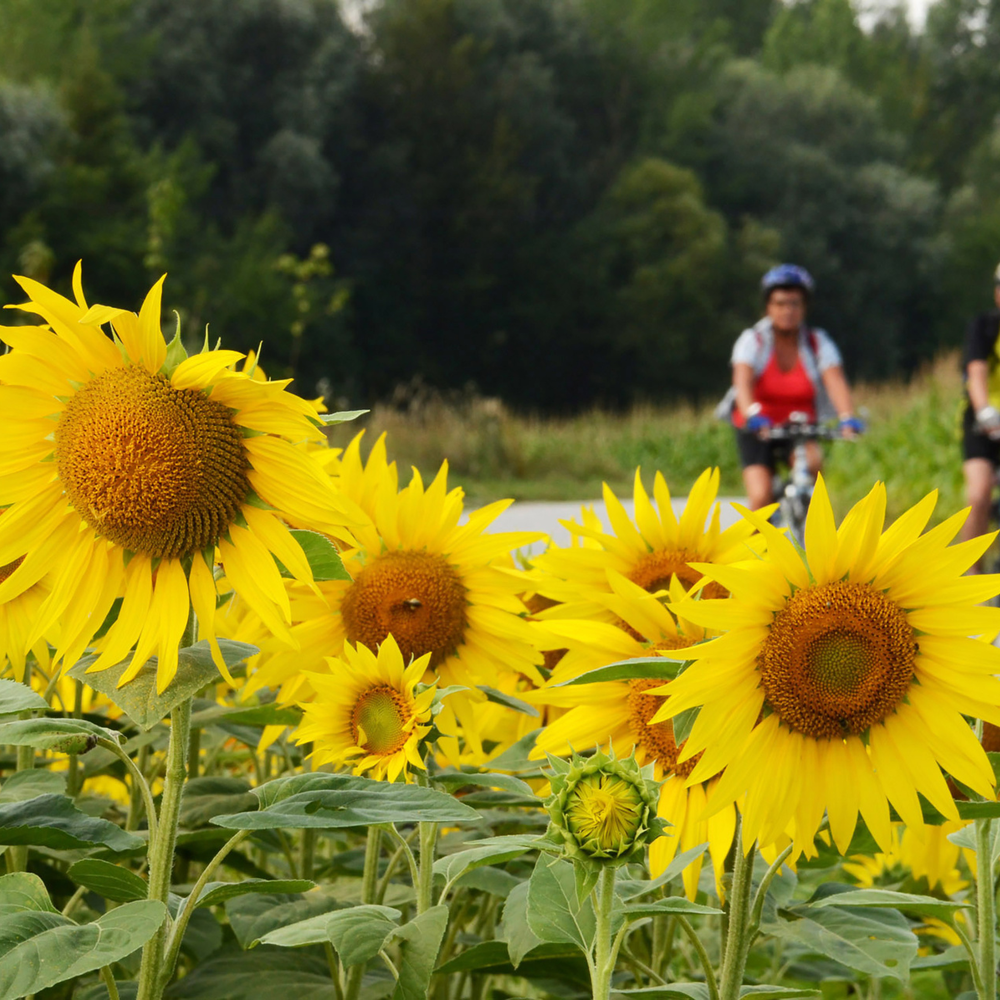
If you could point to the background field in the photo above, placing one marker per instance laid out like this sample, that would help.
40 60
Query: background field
911 444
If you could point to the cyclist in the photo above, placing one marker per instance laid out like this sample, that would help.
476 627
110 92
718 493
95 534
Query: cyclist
780 367
981 420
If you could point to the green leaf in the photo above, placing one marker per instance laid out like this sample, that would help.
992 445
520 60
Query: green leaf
672 904
641 668
683 723
872 941
494 851
54 821
699 991
419 943
516 758
508 701
955 957
554 912
924 905
323 557
514 926
109 880
219 892
978 810
23 891
453 780
627 889
486 878
342 416
64 735
357 934
267 972
205 798
253 916
138 698
38 950
257 715
336 801
17 697
23 785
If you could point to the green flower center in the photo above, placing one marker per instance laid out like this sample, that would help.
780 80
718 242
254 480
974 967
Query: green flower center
378 722
604 813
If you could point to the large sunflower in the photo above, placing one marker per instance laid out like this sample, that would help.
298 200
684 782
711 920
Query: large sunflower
617 714
651 551
844 676
131 464
438 586
367 713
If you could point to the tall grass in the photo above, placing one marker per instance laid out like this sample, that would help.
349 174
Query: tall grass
911 444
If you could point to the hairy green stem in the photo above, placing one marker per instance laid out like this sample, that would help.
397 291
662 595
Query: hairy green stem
190 905
706 962
986 910
161 858
758 901
369 888
109 981
17 856
425 886
139 785
738 939
604 959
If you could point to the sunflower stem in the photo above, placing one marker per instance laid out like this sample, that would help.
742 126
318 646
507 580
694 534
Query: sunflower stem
738 940
986 910
369 888
604 954
706 962
161 861
425 888
17 856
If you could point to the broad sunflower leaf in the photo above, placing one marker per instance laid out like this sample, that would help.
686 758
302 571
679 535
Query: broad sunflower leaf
64 735
109 880
357 934
629 889
454 780
419 943
39 949
337 801
490 852
323 557
515 758
699 991
266 972
683 723
341 416
21 891
641 668
54 821
138 698
205 798
554 913
883 898
16 697
254 916
218 892
508 701
514 926
254 715
489 879
548 961
23 785
978 810
672 904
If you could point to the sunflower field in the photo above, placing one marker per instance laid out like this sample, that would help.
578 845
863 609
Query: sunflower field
277 723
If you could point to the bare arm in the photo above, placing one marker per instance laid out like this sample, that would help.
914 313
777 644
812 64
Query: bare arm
838 390
979 395
743 380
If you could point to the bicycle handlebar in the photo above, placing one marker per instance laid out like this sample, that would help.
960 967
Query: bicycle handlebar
803 432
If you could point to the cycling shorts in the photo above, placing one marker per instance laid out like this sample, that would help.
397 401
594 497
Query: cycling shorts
976 445
754 451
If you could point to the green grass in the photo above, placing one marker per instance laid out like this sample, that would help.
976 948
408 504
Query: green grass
911 445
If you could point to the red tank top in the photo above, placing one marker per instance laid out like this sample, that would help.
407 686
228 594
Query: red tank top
782 393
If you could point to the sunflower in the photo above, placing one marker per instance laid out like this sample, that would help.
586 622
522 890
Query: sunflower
131 464
366 712
17 617
617 714
844 675
437 586
651 551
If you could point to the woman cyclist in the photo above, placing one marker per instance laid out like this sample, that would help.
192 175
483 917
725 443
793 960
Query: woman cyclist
780 367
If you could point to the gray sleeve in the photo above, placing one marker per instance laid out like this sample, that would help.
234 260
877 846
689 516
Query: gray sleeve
745 349
827 354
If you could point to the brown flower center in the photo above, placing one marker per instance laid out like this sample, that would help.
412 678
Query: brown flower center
154 469
837 659
417 597
654 570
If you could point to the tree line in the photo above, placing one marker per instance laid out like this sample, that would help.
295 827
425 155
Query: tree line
562 202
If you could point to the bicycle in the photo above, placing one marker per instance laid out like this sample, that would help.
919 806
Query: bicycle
793 489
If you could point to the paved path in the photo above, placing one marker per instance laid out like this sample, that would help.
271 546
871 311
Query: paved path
546 515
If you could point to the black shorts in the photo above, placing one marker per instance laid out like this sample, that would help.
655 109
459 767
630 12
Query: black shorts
976 445
754 451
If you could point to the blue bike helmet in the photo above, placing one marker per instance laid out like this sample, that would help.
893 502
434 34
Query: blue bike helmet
787 276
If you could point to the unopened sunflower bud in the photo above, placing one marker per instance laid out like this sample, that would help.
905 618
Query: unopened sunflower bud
603 809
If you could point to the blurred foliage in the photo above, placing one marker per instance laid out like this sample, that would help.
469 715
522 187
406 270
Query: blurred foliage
564 202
